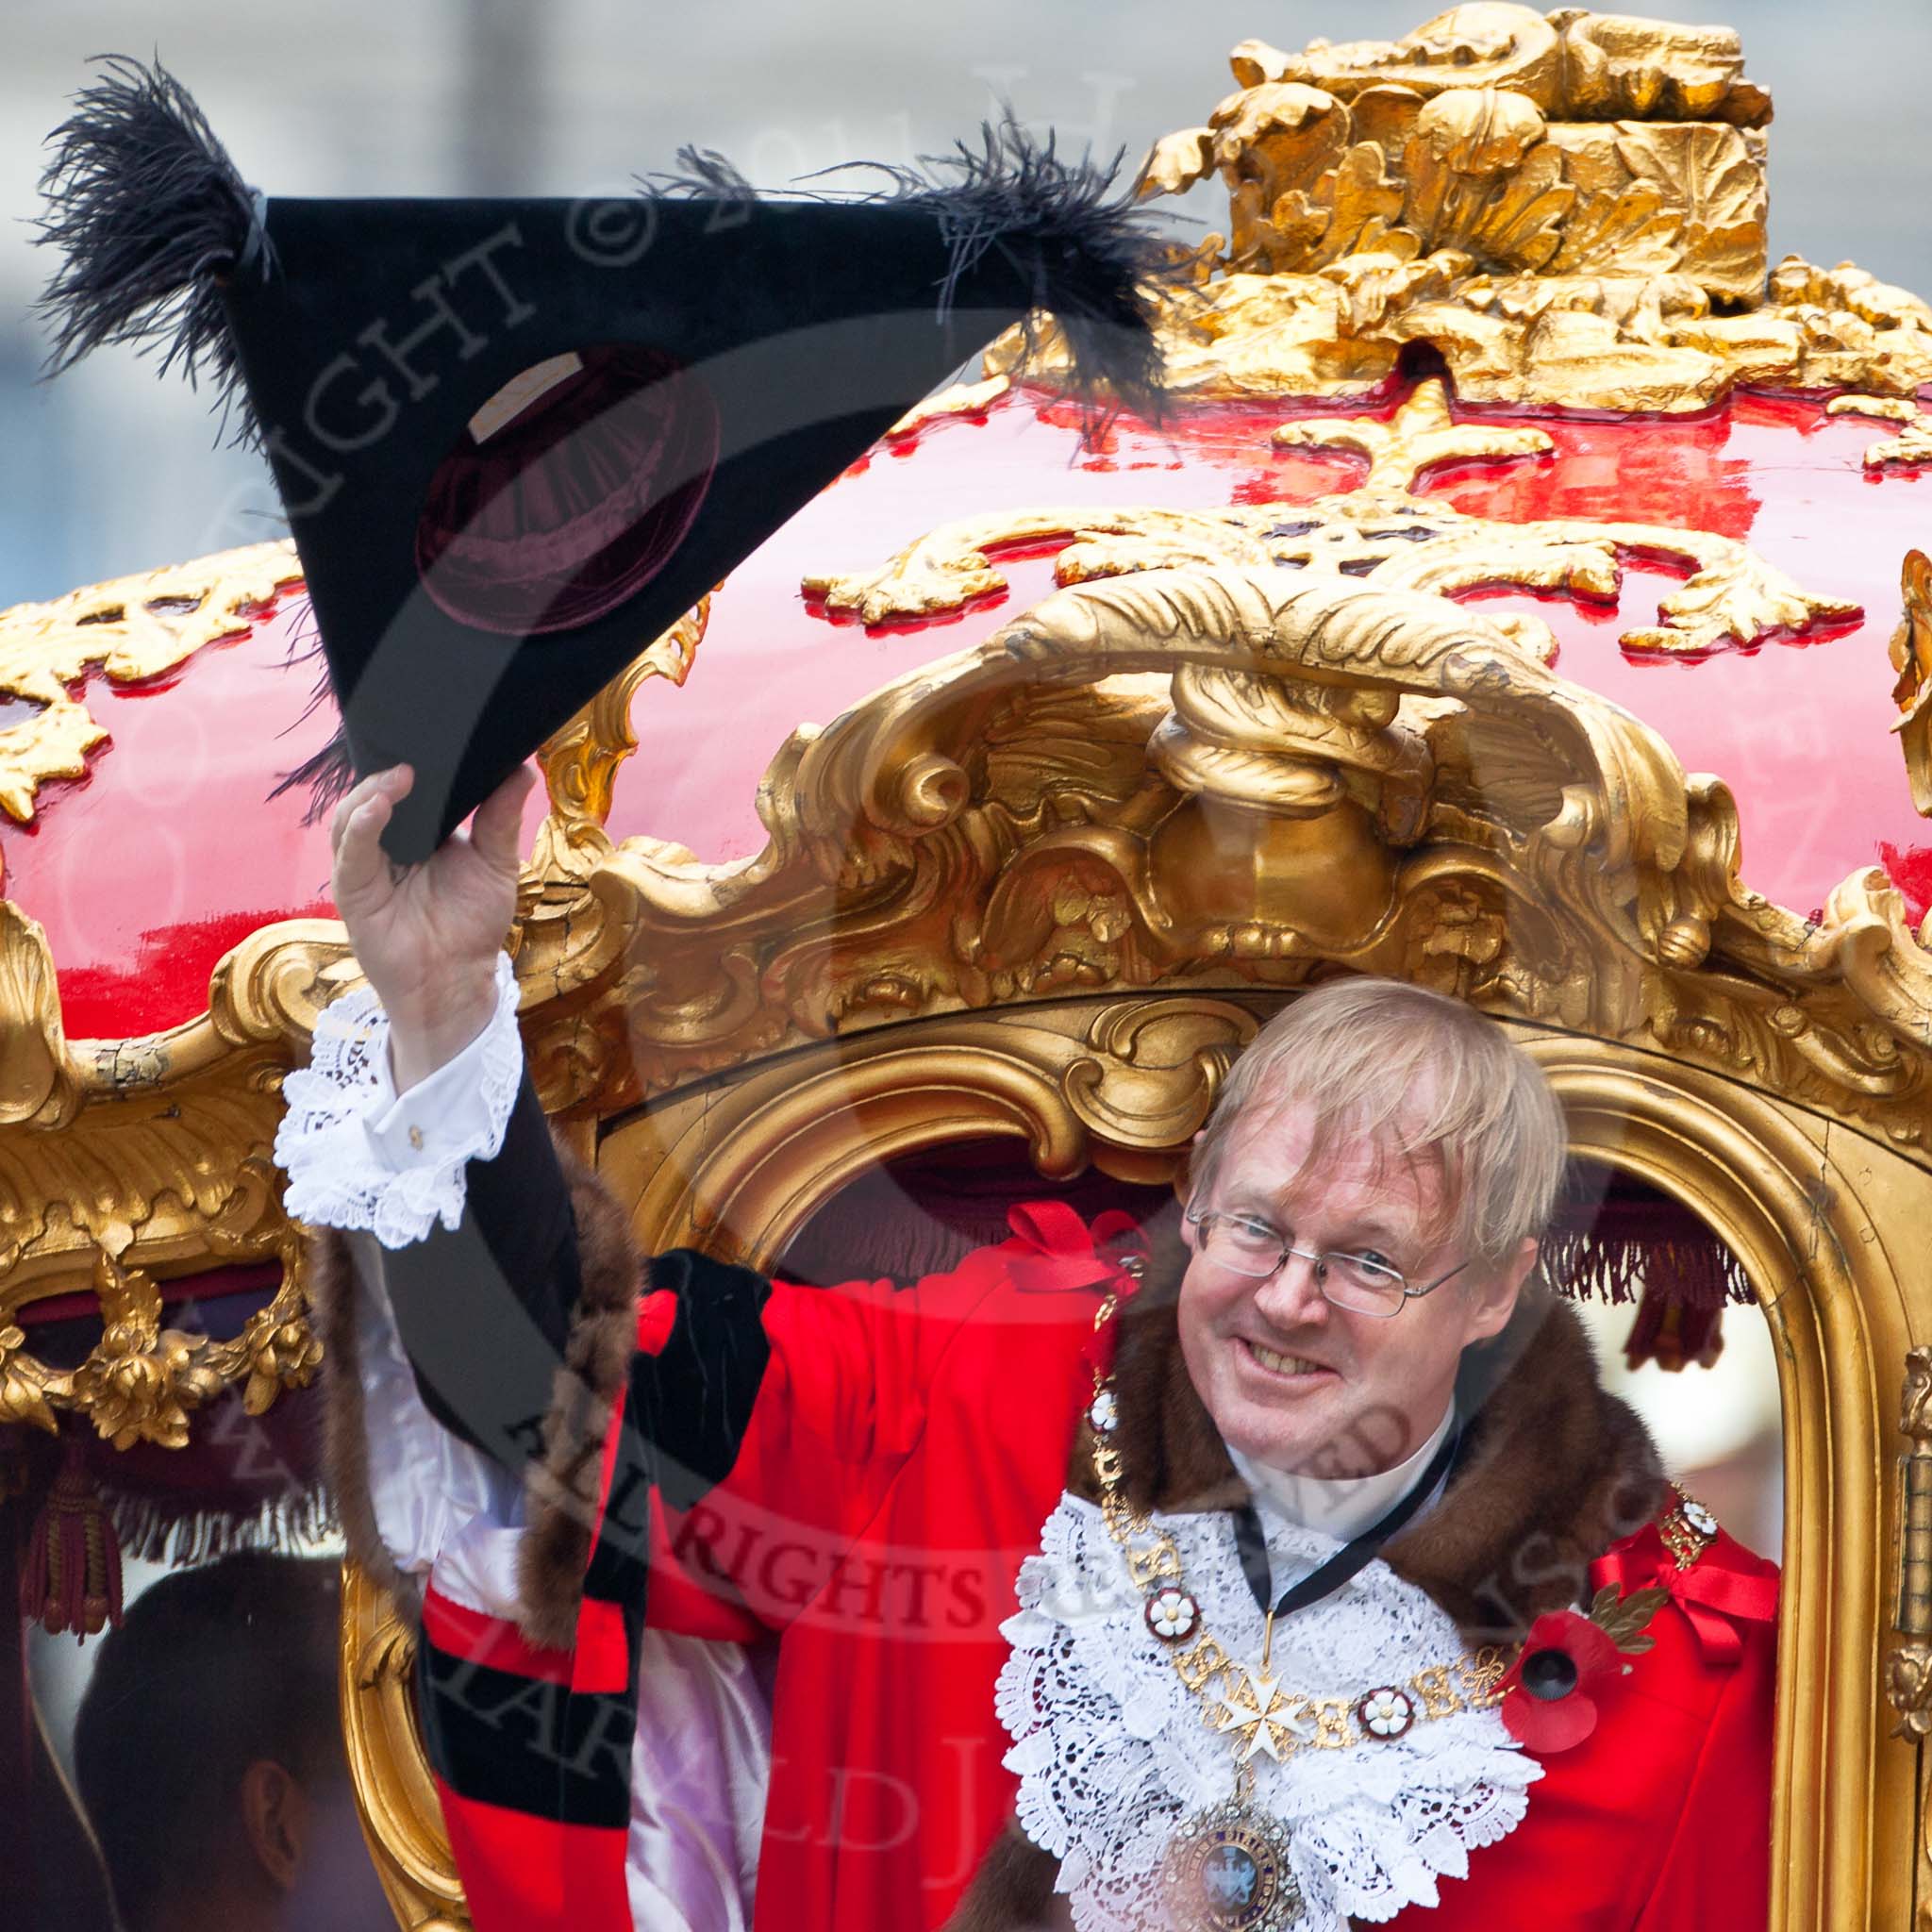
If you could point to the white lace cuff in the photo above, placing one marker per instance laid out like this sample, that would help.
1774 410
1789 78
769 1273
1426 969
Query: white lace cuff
358 1155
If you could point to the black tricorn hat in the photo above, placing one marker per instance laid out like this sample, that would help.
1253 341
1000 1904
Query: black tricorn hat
516 440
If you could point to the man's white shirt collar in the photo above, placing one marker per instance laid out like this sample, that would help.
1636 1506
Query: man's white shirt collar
1341 1507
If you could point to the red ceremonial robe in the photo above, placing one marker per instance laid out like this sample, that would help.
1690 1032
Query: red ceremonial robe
861 1470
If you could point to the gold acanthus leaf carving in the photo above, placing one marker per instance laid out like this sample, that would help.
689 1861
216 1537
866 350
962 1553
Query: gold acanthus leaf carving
1908 1688
1487 44
1911 657
1710 173
1381 530
37 1080
1423 434
23 1382
580 759
1908 1669
150 1157
132 627
143 1382
1572 63
1483 180
1648 343
1451 142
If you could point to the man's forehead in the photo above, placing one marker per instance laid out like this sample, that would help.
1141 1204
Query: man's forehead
1280 1151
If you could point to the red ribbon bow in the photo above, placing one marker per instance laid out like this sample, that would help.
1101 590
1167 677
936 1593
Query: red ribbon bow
1052 1250
1714 1597
1056 1250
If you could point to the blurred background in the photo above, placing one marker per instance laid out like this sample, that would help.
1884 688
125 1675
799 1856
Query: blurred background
111 470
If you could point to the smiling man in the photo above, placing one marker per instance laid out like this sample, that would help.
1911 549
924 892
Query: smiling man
1356 1148
1314 1581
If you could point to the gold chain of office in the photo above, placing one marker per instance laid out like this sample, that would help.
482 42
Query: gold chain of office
1252 1707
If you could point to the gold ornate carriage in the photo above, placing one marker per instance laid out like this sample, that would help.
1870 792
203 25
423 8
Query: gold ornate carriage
1326 674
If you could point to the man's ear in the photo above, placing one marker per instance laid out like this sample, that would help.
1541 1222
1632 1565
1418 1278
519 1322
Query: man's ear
1493 1300
1184 1185
275 1814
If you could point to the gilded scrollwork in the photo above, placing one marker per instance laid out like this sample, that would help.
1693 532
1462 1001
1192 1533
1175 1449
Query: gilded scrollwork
1220 775
1153 1068
37 1081
1588 66
121 1157
1910 447
143 1382
1380 530
124 1161
580 759
1908 1669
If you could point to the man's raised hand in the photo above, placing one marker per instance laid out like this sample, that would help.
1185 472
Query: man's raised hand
427 934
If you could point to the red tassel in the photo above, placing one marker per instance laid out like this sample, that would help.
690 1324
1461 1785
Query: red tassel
1673 1334
70 1576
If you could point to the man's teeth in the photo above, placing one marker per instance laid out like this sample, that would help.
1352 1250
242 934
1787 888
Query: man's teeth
1284 1364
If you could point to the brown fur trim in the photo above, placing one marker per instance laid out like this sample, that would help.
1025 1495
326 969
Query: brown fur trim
1554 1470
1012 1891
561 1488
331 1282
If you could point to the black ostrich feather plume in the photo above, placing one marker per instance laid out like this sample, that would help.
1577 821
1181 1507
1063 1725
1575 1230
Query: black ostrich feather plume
150 216
1068 234
1020 219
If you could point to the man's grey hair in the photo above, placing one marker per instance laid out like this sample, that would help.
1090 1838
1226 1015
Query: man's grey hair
1422 1075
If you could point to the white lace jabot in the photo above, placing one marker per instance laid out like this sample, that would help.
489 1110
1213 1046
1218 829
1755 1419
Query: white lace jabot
1112 1750
358 1156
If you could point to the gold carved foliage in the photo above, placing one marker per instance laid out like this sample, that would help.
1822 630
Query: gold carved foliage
1909 1670
1913 443
130 628
1911 657
118 1158
143 1382
1568 209
1381 530
124 1161
1461 139
1571 62
580 760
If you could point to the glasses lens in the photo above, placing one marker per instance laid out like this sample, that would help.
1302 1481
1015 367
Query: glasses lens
1241 1246
1363 1287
